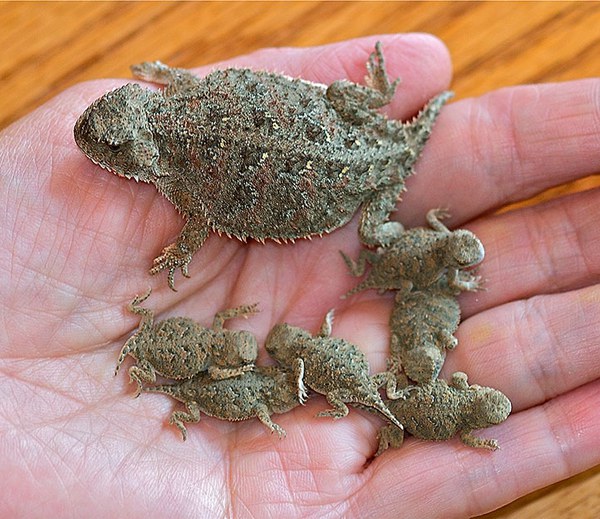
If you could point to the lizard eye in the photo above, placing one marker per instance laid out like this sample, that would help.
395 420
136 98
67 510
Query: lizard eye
114 146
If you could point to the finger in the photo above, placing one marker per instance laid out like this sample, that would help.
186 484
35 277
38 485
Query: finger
143 223
421 61
506 146
533 349
548 248
537 447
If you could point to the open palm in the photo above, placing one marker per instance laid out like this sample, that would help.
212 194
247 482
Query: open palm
77 243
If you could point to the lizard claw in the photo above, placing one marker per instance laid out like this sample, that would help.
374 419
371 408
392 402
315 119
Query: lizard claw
172 258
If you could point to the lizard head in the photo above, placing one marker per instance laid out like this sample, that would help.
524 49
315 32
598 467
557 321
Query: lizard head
490 407
423 364
114 133
465 249
239 348
284 341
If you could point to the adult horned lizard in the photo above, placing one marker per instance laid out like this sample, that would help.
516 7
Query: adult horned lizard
179 347
260 393
419 257
439 411
257 154
332 367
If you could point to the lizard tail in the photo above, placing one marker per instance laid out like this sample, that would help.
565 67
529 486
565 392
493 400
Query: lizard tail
383 409
419 129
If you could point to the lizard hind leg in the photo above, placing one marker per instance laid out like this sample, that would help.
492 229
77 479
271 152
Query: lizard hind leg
388 379
389 436
262 413
401 286
378 80
176 79
357 268
358 103
339 408
142 373
180 418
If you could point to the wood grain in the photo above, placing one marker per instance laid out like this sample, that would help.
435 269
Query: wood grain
46 47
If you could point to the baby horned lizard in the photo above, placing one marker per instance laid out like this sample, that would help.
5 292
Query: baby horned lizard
260 393
422 324
332 367
419 257
439 411
180 348
257 154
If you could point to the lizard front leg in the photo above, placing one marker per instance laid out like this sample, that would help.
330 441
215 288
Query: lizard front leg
179 254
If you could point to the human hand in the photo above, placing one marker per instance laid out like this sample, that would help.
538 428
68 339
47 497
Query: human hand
78 245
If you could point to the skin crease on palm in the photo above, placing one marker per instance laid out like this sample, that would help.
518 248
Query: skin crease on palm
77 245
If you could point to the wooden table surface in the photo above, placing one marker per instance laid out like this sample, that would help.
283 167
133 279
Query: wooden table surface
46 47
